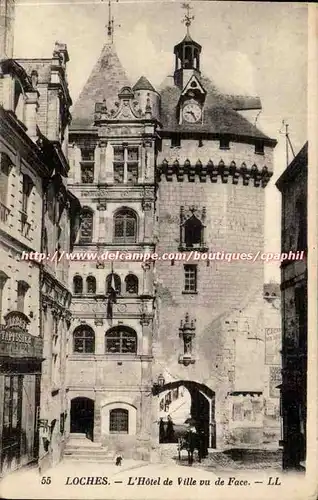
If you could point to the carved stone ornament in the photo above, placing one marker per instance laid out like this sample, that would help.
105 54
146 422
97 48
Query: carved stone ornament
187 333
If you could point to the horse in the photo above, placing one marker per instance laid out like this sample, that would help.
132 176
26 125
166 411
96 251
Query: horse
189 442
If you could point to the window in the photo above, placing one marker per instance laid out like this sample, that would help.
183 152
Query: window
26 191
87 173
121 339
12 410
77 285
126 163
3 279
224 143
193 230
259 148
175 141
22 290
190 278
131 282
117 282
87 165
91 284
125 227
86 233
84 340
5 165
118 421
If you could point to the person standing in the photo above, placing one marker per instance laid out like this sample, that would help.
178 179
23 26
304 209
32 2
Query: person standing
161 430
170 430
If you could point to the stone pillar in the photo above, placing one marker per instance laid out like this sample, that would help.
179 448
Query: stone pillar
101 176
8 92
147 207
101 234
109 164
147 276
31 106
149 162
146 324
97 418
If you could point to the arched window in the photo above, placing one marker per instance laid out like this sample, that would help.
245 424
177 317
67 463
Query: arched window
193 232
131 282
118 421
125 226
87 218
110 281
121 339
84 339
77 285
188 62
91 284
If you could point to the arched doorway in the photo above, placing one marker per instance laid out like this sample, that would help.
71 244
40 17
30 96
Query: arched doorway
185 400
82 416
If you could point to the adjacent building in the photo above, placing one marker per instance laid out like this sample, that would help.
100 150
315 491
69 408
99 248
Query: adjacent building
178 168
293 186
37 216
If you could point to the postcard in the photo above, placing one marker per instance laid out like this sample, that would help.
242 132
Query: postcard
158 248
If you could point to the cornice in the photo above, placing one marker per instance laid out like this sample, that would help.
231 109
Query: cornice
259 177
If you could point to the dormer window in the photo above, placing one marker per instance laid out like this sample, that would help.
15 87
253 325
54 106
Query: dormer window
259 148
176 141
224 143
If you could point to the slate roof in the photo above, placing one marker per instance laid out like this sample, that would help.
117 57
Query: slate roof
220 112
105 81
143 84
296 166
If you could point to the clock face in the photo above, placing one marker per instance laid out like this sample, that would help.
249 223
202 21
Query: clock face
192 112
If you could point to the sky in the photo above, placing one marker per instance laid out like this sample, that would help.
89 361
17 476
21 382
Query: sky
253 48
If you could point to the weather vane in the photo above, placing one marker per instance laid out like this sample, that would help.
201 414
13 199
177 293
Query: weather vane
187 17
110 25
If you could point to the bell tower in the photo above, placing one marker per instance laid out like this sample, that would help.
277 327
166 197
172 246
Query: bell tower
187 55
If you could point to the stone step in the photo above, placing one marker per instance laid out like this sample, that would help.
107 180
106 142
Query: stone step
89 458
82 451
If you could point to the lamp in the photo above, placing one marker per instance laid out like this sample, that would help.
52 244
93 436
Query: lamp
158 385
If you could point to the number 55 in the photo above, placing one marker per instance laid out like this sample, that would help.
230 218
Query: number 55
46 480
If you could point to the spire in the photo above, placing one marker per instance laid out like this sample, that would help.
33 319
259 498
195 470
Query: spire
105 81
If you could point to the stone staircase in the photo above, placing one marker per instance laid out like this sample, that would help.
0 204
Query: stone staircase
81 449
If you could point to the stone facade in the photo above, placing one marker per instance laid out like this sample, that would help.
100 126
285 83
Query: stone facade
185 171
38 218
293 186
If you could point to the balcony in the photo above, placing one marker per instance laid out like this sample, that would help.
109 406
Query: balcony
4 213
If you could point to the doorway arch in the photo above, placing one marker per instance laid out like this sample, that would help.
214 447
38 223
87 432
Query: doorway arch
82 416
201 407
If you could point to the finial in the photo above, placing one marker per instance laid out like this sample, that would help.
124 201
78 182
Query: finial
187 18
110 25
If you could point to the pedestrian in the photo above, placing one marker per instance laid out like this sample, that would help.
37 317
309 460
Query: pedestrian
170 431
161 430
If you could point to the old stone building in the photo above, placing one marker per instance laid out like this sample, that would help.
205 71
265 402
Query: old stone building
37 214
293 186
174 169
